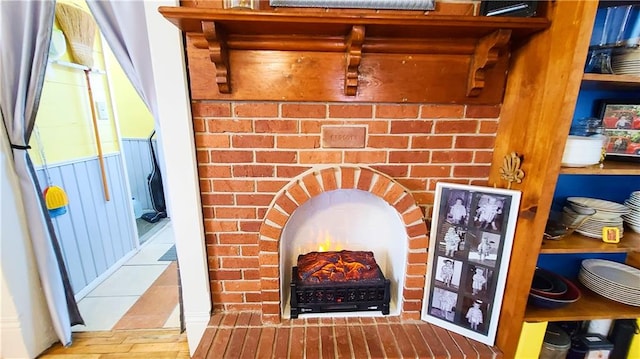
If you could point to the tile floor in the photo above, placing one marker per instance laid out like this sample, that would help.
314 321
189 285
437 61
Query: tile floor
112 304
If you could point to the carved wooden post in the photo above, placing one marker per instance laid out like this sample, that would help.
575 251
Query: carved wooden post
218 53
353 57
485 56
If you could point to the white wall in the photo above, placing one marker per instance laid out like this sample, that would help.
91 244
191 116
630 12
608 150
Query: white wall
181 181
24 322
346 219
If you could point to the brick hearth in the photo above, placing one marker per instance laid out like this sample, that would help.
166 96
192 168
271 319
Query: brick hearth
242 335
249 151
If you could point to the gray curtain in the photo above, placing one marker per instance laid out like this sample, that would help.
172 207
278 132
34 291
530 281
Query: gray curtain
123 25
25 33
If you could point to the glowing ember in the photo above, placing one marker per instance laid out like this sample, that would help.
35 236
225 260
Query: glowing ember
342 266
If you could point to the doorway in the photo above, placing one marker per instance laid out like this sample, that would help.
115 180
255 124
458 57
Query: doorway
101 240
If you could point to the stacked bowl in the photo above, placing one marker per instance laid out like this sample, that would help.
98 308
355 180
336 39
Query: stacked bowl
551 290
607 214
616 281
632 219
582 151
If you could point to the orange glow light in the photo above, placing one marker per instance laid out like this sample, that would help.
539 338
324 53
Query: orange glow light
327 243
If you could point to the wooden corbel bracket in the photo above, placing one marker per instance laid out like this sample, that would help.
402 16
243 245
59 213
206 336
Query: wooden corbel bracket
353 56
218 53
485 56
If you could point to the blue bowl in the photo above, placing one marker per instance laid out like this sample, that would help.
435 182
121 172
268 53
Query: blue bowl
570 296
547 284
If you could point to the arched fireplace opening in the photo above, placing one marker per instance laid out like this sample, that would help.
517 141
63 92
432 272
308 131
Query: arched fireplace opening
344 208
346 219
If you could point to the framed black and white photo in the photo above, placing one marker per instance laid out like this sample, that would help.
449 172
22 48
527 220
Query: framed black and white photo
444 304
458 207
452 241
448 273
483 247
470 244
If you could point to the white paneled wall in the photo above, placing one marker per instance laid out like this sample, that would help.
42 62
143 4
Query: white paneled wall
139 166
94 234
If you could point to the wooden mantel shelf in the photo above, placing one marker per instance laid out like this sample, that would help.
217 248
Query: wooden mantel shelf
420 52
189 19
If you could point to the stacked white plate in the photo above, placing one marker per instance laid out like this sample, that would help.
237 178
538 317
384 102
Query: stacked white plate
632 219
612 280
608 214
626 62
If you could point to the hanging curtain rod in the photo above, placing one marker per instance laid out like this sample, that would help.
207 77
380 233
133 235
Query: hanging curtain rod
77 66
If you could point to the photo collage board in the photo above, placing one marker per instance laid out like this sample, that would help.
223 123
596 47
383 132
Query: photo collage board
471 237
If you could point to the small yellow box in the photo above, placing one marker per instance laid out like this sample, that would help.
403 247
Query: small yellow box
611 234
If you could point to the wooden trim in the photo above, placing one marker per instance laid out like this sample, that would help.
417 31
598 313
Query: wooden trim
536 115
353 58
609 168
485 55
610 82
468 53
218 53
590 306
576 243
188 20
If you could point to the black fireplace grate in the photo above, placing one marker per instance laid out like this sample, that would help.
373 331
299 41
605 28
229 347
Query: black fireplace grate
339 296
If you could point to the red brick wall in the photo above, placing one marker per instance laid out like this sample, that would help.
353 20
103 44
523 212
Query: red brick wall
248 151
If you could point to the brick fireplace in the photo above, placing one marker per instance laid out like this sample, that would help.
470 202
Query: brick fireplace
259 161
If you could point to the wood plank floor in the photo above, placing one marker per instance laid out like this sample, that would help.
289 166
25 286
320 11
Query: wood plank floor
160 344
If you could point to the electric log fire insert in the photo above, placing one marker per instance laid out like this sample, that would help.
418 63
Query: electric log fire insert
345 281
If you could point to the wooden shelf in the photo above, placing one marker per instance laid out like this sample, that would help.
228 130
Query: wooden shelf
346 56
589 306
190 19
609 168
610 82
577 243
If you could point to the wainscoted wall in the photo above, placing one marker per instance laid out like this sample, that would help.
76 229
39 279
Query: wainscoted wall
94 234
138 160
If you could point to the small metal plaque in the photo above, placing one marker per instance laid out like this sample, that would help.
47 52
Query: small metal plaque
343 136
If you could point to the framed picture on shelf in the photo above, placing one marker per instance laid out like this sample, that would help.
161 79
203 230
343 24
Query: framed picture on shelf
621 122
472 232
